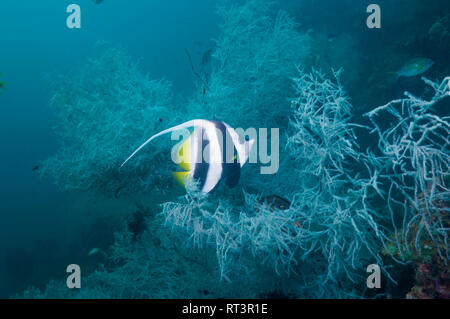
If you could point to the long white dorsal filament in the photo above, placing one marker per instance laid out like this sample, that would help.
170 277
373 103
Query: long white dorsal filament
192 123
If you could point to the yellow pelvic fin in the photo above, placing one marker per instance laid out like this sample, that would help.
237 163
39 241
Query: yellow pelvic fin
181 177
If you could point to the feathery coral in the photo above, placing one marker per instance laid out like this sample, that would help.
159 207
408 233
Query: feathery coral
255 57
101 110
415 157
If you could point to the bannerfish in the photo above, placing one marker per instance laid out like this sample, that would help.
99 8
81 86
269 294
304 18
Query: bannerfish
203 156
415 67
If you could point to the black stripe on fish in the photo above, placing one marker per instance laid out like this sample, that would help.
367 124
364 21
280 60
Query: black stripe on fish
231 169
201 169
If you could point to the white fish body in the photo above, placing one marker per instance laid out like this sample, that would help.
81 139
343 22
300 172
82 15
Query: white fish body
209 171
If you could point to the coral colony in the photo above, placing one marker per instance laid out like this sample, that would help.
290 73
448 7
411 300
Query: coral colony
336 205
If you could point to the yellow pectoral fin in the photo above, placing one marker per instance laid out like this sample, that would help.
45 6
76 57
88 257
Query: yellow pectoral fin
185 165
183 154
181 177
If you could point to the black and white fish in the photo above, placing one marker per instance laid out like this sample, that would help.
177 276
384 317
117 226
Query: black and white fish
205 155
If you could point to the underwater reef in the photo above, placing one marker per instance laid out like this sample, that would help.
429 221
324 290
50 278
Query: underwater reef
337 204
256 55
99 115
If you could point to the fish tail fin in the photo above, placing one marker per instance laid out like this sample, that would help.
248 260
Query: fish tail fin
172 129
